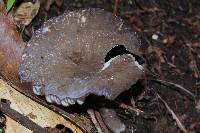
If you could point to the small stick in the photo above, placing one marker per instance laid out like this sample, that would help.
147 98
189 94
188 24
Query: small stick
180 125
166 83
136 110
94 120
101 122
21 119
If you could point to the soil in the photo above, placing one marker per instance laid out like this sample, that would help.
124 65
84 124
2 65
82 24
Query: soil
170 42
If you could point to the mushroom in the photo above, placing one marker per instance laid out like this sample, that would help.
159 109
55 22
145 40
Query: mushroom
80 53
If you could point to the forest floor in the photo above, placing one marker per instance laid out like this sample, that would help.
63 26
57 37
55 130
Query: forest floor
170 42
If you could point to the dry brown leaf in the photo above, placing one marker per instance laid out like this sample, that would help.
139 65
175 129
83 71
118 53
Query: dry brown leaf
25 13
11 46
14 127
33 110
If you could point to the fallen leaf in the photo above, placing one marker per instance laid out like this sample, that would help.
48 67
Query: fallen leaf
11 46
33 110
25 13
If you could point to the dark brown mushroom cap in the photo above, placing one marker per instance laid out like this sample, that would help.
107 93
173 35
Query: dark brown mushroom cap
66 57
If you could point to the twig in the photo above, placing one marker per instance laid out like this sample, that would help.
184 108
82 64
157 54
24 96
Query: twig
167 83
96 124
180 125
101 122
136 110
23 120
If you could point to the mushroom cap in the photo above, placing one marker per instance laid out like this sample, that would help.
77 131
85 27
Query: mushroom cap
66 57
